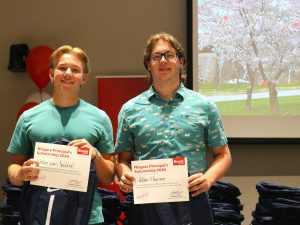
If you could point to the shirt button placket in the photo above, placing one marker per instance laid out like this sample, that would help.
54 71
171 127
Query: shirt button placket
166 110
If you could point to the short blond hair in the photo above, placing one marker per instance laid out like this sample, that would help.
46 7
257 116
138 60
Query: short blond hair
67 49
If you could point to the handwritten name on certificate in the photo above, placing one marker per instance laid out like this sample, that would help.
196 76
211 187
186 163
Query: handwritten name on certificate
62 166
160 180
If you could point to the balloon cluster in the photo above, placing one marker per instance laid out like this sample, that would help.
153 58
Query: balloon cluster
37 66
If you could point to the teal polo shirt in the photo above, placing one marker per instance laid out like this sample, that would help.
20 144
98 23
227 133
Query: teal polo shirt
47 123
152 128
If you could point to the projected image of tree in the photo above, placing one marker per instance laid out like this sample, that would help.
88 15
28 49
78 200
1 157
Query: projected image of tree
249 55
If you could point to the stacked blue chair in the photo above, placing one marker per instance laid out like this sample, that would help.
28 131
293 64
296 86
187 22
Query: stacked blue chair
277 205
226 205
10 208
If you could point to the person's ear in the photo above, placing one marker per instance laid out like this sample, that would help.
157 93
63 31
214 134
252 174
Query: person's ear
51 74
181 62
84 79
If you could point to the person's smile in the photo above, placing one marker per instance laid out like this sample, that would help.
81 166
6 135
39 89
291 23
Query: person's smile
67 81
164 69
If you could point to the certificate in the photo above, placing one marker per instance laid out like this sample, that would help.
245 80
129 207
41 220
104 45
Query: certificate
160 180
62 166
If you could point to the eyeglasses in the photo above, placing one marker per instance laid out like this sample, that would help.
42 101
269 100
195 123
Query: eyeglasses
169 56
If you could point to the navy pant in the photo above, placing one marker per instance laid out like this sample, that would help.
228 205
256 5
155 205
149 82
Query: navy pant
197 211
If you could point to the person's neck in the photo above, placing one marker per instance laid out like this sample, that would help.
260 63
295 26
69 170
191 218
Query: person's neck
64 100
166 91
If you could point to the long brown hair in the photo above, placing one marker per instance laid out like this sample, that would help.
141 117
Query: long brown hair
173 42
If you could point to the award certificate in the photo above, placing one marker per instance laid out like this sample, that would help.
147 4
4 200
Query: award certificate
160 180
62 166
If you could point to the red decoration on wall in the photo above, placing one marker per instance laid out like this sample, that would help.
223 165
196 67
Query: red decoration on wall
37 65
114 91
25 107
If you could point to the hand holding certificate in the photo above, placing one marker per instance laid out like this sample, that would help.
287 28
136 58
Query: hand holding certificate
62 166
160 180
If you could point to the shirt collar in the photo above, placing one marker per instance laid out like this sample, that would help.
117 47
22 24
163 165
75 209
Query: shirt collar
179 93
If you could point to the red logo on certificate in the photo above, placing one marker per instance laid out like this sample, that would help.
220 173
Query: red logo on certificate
83 151
178 161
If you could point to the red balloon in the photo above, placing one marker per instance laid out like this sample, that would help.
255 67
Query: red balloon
25 107
37 65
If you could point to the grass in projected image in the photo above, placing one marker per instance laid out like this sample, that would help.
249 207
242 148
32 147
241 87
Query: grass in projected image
289 106
232 99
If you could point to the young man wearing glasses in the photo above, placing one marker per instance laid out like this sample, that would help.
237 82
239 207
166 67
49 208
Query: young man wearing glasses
170 121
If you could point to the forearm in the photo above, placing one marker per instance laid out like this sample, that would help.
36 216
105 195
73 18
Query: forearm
105 169
122 167
219 166
123 171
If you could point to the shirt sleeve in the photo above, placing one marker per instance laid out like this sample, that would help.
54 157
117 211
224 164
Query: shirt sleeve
124 139
20 143
215 133
105 144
